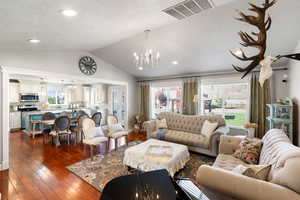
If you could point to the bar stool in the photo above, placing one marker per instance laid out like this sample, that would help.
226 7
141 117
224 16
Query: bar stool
33 128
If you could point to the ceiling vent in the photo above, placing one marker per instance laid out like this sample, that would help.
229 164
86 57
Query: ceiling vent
188 8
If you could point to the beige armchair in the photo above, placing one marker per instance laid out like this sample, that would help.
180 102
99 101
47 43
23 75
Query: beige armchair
92 135
116 130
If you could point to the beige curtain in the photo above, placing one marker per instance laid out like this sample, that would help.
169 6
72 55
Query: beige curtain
190 92
260 96
145 100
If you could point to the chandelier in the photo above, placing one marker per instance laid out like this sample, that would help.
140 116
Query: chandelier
147 58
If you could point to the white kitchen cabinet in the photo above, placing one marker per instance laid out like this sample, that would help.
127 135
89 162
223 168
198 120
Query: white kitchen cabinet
14 90
30 87
15 120
77 94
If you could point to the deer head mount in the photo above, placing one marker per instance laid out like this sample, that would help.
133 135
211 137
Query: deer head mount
263 25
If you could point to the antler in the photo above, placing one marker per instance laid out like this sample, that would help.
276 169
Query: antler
248 40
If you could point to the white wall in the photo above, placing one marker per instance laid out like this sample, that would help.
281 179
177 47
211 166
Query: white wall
280 89
294 85
4 123
66 62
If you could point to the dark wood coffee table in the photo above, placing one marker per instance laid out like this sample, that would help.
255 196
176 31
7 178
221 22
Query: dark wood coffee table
158 183
125 187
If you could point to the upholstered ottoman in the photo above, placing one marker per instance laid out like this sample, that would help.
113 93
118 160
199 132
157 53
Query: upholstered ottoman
140 156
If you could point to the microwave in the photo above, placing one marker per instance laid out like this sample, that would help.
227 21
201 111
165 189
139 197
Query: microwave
29 97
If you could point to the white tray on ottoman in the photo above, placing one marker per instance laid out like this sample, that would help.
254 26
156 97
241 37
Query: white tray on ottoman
143 157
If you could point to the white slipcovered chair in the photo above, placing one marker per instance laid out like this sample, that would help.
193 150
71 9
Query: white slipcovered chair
116 130
92 135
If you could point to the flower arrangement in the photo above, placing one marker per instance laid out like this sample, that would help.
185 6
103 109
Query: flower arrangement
137 122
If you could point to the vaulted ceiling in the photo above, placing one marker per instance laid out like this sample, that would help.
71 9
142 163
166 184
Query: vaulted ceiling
98 23
202 42
113 30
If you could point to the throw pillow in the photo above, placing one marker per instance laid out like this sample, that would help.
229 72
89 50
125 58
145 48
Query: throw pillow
161 133
241 169
208 128
260 172
115 128
248 150
161 123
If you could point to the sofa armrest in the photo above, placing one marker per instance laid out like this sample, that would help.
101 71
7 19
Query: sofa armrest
228 144
242 187
149 126
215 139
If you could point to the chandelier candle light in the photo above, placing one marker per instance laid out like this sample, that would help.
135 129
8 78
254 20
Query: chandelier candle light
147 58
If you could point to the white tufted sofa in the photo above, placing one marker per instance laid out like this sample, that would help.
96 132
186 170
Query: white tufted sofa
284 178
186 129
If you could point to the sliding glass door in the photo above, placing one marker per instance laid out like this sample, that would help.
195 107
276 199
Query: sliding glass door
227 97
166 98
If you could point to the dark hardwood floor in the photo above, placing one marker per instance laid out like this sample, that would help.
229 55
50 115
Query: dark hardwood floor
38 171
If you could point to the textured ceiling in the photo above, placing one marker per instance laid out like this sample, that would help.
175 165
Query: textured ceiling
201 42
98 23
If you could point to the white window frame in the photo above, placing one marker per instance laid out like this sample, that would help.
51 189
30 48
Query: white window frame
225 80
57 89
164 84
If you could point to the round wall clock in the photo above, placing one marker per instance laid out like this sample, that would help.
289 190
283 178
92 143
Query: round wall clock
87 65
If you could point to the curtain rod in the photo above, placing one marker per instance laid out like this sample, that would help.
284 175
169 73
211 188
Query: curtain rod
203 75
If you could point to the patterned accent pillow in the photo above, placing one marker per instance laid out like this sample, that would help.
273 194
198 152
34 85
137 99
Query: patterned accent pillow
248 150
260 172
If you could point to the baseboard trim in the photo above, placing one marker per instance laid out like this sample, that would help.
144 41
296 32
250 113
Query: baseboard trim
4 165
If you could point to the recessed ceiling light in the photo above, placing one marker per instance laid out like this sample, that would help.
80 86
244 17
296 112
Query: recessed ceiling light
175 62
141 68
34 41
69 12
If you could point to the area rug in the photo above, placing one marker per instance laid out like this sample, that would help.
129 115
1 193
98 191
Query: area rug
107 167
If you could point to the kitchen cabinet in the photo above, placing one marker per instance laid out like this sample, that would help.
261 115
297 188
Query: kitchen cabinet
30 87
14 89
15 120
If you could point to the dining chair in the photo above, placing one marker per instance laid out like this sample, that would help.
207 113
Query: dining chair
61 129
97 117
93 136
78 128
116 130
47 128
81 112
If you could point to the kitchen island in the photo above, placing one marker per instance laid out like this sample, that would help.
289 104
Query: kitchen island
31 121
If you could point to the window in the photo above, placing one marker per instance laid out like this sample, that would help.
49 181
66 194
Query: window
56 96
228 98
166 99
